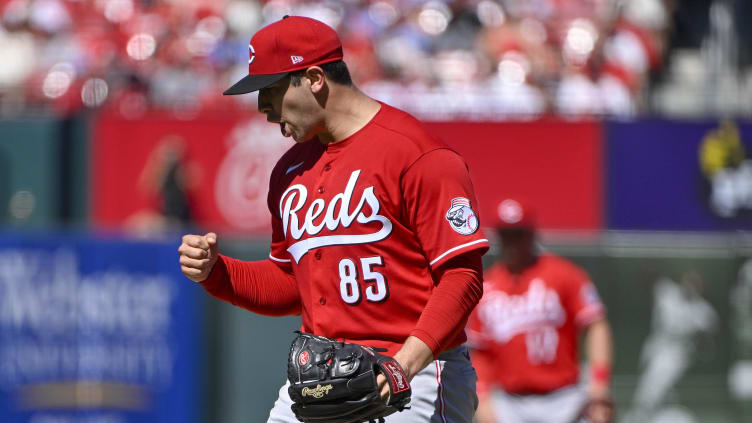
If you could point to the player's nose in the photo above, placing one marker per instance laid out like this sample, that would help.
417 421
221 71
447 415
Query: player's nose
264 108
264 105
269 112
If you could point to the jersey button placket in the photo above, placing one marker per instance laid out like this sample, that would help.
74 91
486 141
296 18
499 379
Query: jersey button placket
317 256
316 271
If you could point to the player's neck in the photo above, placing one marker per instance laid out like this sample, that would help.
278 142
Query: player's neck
519 266
348 110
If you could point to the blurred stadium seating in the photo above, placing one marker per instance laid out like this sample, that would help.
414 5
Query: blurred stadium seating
476 59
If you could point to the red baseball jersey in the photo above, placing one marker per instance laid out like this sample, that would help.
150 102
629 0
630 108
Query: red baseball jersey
362 222
526 327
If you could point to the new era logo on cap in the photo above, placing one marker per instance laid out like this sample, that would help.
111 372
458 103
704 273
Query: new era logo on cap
291 44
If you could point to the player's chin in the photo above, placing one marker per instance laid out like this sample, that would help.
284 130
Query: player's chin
301 138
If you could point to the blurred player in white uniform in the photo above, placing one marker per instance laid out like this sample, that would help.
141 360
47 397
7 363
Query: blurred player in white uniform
680 314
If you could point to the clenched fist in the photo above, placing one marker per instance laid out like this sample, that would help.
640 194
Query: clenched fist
198 253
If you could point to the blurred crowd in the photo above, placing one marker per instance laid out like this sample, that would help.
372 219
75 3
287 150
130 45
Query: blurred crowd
470 59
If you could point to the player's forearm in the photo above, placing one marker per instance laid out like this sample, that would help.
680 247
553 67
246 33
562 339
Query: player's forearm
258 286
458 292
414 356
599 348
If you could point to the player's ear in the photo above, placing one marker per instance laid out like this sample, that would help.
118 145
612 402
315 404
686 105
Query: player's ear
317 78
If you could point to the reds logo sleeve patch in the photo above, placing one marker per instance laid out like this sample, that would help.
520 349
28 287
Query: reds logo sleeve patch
461 216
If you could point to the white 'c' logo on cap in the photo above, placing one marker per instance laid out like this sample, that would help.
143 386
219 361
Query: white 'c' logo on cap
253 54
510 211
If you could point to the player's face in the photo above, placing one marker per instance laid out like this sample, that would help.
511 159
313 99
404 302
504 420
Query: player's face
293 107
516 247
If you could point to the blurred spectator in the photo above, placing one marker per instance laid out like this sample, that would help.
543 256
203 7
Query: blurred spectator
440 59
168 179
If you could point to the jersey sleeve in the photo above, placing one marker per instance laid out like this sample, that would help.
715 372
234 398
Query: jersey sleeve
477 333
582 299
442 322
476 336
258 286
278 249
441 206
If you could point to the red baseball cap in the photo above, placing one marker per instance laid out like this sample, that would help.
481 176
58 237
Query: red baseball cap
513 214
290 44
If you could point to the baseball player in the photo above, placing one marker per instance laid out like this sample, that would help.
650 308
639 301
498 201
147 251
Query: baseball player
681 316
375 237
524 333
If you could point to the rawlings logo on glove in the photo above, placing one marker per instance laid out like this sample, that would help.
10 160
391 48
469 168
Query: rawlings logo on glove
317 392
335 382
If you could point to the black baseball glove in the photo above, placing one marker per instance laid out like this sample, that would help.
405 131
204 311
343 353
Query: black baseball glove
335 382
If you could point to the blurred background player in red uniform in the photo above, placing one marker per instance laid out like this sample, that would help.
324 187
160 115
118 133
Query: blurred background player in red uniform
525 333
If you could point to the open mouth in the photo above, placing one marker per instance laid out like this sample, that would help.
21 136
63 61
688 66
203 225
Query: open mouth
283 128
286 132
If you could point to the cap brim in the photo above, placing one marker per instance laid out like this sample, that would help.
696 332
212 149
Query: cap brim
518 227
253 83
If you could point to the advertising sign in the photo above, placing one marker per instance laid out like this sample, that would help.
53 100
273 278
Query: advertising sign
214 171
666 175
554 166
96 331
211 171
